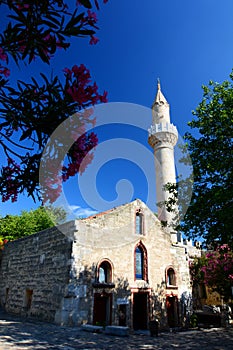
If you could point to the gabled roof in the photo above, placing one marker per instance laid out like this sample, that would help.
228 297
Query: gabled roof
135 203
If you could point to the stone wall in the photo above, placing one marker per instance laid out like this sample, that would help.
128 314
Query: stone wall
111 236
53 276
34 272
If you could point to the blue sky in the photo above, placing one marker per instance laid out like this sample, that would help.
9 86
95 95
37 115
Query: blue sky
184 43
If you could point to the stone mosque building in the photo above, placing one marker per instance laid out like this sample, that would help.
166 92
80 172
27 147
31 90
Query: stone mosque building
119 267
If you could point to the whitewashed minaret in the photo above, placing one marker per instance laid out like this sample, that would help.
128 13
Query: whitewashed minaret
163 137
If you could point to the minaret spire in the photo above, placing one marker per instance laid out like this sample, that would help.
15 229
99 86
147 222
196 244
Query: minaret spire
160 107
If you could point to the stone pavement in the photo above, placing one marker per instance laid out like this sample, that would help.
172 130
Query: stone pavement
24 334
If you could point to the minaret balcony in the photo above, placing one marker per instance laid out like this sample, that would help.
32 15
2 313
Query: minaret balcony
163 134
162 127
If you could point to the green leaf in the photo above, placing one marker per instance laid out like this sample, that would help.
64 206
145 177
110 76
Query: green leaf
86 32
86 3
26 134
50 24
42 55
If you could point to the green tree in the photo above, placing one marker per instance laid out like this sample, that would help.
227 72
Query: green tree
196 273
16 226
210 147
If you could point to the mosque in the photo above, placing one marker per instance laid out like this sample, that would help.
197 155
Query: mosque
120 267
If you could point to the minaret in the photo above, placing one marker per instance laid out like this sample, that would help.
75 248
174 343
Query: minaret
163 137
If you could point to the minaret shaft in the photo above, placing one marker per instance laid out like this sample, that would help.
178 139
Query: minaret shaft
163 137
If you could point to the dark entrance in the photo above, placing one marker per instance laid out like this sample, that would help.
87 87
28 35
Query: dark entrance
140 310
102 309
122 315
172 311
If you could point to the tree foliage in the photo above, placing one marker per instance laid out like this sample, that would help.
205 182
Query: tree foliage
215 269
28 222
210 146
31 110
196 273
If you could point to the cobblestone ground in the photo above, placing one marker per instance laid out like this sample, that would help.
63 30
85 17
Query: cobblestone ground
21 334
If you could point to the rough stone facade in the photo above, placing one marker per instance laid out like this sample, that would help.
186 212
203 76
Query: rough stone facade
56 276
34 272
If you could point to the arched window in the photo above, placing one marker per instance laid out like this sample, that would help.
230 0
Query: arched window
139 222
105 272
171 277
139 263
140 258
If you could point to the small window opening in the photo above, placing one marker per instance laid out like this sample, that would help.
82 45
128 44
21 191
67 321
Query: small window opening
105 272
28 299
139 223
179 237
171 278
7 295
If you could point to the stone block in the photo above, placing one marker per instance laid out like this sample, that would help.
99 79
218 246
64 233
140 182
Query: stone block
117 330
61 317
91 328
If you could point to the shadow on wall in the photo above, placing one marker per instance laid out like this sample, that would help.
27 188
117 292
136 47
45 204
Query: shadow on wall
122 295
77 301
169 310
93 296
94 299
158 311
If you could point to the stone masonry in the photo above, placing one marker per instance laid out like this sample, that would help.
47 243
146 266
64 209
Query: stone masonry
34 273
54 276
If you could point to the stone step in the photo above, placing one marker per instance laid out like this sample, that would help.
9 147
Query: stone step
91 328
117 330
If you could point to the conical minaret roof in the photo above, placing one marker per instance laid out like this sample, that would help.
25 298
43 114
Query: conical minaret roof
160 107
159 98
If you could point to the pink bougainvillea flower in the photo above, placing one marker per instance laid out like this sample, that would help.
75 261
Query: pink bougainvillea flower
23 6
5 71
103 98
92 16
3 55
61 45
68 72
94 40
